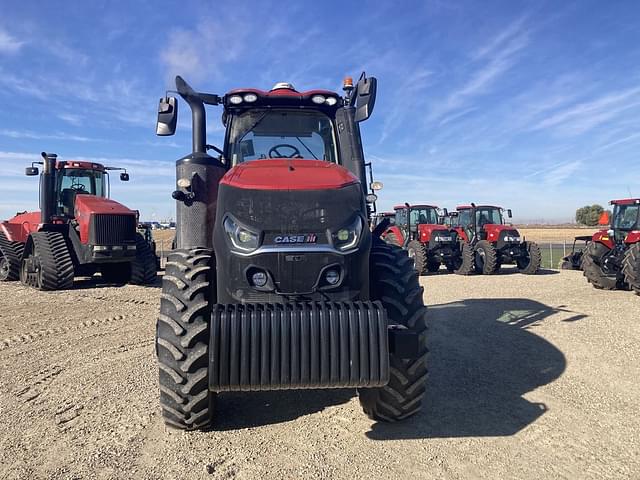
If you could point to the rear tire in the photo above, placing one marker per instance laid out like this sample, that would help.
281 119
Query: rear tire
486 258
592 270
631 267
143 268
418 255
10 258
182 339
531 265
395 284
464 264
48 265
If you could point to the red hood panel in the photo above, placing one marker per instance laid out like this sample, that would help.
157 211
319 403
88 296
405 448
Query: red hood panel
295 174
93 204
18 228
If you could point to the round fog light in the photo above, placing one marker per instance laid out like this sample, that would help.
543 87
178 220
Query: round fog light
259 279
332 277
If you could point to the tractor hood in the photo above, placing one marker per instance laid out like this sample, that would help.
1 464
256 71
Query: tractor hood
288 174
426 231
495 232
88 204
18 228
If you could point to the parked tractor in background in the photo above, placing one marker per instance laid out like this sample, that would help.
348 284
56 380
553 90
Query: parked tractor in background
573 261
378 218
429 243
78 232
146 231
494 242
277 281
612 259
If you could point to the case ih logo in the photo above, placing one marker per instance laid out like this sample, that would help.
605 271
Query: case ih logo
309 238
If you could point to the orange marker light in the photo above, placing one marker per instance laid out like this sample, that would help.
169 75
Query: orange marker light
348 82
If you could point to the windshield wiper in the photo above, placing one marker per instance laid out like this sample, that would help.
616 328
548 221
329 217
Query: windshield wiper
308 150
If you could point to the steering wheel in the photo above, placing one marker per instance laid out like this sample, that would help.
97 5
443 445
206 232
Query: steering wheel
79 187
275 153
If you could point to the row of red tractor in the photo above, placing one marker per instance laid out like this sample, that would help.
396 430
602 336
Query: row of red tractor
477 239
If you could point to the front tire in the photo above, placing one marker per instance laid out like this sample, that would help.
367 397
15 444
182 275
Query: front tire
486 258
182 339
395 284
531 264
592 260
418 255
631 267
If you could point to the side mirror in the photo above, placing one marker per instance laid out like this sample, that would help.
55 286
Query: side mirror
604 218
167 116
365 97
124 177
445 212
31 171
509 213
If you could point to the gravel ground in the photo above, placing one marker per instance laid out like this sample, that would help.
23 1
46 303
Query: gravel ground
531 377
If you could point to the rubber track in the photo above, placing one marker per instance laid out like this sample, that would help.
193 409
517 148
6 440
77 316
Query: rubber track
593 272
182 339
631 267
56 265
395 283
143 268
12 252
490 266
535 259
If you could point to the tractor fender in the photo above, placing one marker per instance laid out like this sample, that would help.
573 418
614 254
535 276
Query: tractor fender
603 237
632 237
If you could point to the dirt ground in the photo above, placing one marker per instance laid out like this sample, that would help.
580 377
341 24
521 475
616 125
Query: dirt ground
531 377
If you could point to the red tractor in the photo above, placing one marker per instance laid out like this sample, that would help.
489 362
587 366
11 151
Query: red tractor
494 242
612 259
78 231
277 281
429 243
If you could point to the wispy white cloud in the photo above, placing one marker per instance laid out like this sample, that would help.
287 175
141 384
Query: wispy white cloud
8 43
558 174
45 136
580 118
72 118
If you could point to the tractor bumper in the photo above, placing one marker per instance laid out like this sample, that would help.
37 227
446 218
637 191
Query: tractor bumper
301 345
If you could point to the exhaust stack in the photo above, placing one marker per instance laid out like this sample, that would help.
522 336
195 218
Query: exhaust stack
47 187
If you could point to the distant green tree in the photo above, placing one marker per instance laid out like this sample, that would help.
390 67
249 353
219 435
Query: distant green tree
589 215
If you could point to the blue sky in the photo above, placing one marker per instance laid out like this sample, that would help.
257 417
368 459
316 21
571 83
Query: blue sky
534 106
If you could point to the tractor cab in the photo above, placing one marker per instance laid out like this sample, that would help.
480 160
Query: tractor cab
416 222
481 222
625 218
77 178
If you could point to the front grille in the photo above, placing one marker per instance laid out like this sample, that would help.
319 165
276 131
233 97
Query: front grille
110 229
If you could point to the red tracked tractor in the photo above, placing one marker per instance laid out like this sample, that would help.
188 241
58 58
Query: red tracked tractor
429 243
494 242
277 281
612 259
78 231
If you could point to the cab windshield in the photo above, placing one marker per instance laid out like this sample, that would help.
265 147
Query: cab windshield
625 217
485 216
77 181
423 216
261 134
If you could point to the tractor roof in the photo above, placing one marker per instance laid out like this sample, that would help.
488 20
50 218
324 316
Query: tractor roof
625 201
282 94
467 207
400 207
77 164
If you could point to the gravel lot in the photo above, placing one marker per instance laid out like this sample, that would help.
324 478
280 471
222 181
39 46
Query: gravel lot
531 377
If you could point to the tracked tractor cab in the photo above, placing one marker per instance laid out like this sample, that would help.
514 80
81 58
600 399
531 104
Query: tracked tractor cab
612 259
277 281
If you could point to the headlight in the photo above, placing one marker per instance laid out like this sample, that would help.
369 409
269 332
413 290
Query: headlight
235 99
319 99
242 239
250 97
348 237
